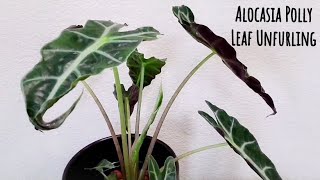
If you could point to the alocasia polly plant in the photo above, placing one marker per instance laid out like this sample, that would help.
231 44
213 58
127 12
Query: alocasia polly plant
83 51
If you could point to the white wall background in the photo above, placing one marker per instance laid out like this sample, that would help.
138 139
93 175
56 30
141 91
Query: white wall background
289 74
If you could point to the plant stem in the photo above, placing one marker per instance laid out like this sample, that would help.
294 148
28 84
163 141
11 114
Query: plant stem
200 150
166 110
105 116
127 105
126 102
141 81
122 122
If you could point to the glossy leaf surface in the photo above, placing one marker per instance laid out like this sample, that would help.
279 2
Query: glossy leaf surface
218 44
167 172
79 52
152 67
242 142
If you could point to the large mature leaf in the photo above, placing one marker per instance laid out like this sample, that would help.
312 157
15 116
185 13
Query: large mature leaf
167 172
242 142
76 54
218 44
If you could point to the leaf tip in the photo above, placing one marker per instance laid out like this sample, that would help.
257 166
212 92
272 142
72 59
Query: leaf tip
272 114
214 108
201 112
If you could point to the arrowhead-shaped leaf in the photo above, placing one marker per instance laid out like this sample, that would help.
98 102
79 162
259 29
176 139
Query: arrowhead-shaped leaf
152 67
218 44
242 142
154 170
167 172
79 52
105 165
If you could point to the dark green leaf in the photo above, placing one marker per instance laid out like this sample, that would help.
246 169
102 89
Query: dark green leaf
218 44
154 170
132 93
167 172
152 67
242 142
79 52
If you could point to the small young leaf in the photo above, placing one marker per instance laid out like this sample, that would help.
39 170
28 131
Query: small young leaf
104 165
226 52
242 142
154 170
167 172
132 93
152 67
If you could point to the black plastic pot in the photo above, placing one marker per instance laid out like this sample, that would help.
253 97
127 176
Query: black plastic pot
92 154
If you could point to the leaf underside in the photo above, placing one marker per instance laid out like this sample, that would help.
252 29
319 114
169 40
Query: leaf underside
242 142
226 52
79 52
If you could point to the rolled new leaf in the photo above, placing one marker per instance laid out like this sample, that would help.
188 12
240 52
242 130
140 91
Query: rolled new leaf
79 52
242 142
132 94
137 146
218 44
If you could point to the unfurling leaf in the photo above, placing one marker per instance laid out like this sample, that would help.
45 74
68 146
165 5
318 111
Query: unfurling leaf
151 67
218 44
136 150
242 142
167 172
132 94
79 52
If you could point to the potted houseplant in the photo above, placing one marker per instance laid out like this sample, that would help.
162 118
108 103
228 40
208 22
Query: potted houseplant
83 51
